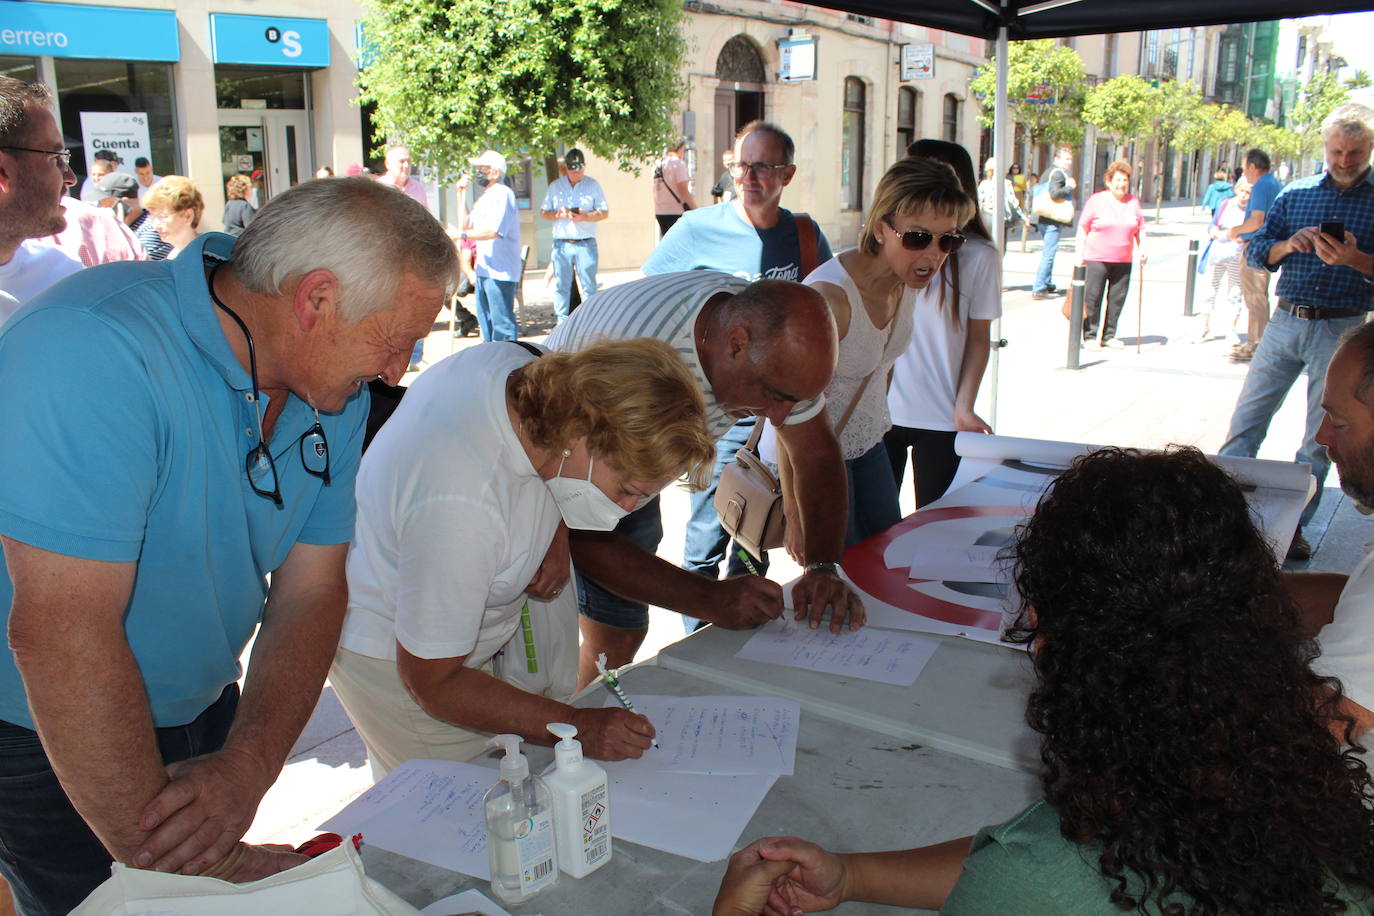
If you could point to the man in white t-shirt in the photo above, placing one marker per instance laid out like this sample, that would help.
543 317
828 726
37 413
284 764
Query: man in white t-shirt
34 173
143 173
494 224
1343 606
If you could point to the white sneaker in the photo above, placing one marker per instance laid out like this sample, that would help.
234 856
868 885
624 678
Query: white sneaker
1111 343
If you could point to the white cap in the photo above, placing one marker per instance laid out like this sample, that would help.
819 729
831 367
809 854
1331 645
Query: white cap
492 160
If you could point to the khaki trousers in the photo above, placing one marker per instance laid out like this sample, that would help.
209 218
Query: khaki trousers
1254 288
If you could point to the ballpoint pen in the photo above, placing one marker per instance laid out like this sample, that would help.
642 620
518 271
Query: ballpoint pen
609 676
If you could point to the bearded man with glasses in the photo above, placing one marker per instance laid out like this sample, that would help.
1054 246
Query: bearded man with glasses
35 170
205 434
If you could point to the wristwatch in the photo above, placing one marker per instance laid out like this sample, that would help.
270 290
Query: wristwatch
825 566
463 236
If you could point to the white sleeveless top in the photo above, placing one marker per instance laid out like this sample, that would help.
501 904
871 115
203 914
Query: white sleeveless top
863 349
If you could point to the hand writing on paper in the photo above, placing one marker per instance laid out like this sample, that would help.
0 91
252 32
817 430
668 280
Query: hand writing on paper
745 601
612 733
204 810
818 590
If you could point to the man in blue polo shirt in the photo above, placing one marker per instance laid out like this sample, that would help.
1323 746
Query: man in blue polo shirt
1254 281
576 204
203 433
1326 286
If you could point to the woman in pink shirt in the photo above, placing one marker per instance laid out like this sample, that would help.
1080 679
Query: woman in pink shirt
1110 225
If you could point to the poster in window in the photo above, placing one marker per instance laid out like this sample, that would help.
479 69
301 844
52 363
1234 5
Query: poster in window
124 133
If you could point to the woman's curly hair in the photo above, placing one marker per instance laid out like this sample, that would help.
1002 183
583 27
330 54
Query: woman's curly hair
635 401
1183 729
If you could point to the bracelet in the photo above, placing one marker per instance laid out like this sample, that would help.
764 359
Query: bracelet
825 566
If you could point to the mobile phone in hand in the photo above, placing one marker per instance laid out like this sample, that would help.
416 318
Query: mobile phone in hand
1334 228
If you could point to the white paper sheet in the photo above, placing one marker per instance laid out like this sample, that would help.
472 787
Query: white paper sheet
429 810
468 901
871 654
735 736
700 817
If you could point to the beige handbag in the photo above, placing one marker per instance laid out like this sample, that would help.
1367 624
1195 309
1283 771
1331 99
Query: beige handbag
749 495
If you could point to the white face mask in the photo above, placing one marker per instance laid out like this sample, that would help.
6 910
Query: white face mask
581 502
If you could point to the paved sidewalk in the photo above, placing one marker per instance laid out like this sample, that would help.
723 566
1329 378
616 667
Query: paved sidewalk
1170 391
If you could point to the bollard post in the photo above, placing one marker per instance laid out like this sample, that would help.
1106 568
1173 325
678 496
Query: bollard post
1191 280
1076 317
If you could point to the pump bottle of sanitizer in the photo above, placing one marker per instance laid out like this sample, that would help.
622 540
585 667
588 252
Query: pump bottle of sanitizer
520 840
581 806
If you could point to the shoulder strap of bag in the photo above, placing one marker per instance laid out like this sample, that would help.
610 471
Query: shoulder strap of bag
530 347
808 243
658 176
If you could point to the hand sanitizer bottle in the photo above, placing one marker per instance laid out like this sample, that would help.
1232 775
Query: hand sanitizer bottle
581 806
520 840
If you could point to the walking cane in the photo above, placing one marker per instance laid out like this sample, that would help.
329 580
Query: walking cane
1139 305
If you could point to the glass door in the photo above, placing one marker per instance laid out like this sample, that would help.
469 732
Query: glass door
270 147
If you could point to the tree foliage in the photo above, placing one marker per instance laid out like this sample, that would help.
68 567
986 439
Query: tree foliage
1320 97
1359 80
454 77
1122 108
1031 67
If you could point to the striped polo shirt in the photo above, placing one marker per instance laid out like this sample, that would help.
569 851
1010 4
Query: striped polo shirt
664 307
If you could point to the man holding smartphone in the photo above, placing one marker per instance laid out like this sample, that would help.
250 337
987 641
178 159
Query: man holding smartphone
576 204
1320 232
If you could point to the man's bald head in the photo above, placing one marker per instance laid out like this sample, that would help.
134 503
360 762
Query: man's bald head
772 345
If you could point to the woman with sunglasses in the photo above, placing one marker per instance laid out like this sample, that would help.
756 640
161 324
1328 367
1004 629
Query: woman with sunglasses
1194 762
912 226
1110 226
935 381
457 625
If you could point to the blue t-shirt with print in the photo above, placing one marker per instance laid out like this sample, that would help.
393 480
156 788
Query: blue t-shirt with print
718 238
133 452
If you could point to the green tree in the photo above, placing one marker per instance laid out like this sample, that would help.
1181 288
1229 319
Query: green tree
1121 109
1359 80
1176 105
454 77
1320 97
1036 69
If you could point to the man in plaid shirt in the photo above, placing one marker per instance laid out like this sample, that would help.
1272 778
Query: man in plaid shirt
1326 286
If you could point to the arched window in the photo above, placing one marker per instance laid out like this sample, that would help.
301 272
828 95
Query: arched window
951 119
739 61
908 107
852 144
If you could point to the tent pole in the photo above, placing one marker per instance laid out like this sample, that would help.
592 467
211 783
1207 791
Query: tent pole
1001 139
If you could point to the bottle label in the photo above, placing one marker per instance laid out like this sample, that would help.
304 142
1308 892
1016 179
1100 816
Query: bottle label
596 826
534 847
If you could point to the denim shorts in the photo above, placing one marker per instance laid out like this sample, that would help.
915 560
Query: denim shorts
644 527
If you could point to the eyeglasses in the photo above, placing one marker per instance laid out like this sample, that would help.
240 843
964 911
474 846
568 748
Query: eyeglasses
61 157
757 169
258 463
919 240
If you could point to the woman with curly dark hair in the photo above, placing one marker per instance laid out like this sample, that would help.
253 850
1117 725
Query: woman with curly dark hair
1190 763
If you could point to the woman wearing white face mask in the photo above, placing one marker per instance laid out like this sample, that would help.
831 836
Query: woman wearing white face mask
458 626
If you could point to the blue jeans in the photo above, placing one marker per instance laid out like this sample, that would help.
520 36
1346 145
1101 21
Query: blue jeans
1289 347
873 501
418 353
570 255
1044 273
706 541
49 856
643 526
496 309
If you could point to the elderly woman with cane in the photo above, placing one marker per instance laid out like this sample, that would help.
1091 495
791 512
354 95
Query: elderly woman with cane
1110 227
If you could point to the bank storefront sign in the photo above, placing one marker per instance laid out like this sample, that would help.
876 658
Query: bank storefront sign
270 41
35 29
